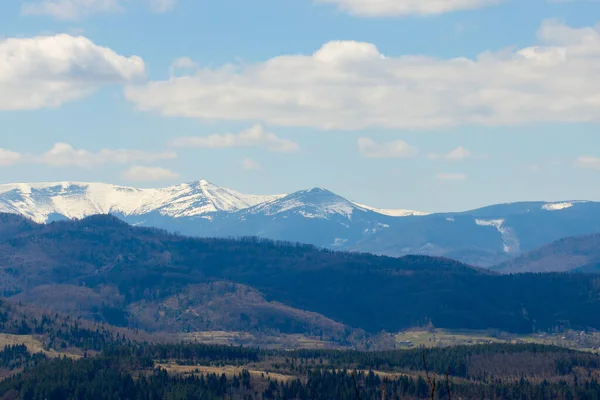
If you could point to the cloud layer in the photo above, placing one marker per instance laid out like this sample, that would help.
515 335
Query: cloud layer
78 9
70 9
451 176
138 173
351 85
588 162
255 136
394 149
8 158
458 154
47 71
386 8
250 165
65 155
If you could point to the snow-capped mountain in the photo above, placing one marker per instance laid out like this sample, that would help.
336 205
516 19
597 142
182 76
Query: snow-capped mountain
483 236
313 203
42 201
315 216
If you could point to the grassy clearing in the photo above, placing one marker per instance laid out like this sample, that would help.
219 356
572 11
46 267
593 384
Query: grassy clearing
583 341
278 342
228 370
34 345
440 338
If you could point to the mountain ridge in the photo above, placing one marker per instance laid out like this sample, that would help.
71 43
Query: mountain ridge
485 236
80 199
146 278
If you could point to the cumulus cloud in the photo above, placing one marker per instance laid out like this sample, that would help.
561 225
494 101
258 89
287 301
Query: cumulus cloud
63 154
139 173
78 9
451 177
182 64
256 136
588 162
395 149
8 157
386 8
250 165
47 71
351 85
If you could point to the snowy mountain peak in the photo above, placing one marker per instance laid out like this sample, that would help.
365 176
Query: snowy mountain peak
312 203
40 201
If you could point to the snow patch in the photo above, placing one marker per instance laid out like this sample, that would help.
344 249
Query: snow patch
509 239
393 212
557 206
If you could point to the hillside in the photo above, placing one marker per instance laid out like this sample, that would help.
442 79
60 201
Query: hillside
113 272
578 253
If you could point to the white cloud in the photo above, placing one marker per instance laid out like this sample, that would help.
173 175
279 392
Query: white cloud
71 9
250 165
386 8
255 136
451 177
588 162
78 9
63 154
182 64
395 149
148 174
46 71
161 6
8 157
458 154
350 85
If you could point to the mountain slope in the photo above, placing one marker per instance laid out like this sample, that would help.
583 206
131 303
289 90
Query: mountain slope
566 254
315 216
483 237
486 236
43 201
148 270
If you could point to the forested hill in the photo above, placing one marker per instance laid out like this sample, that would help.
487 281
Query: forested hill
126 269
578 254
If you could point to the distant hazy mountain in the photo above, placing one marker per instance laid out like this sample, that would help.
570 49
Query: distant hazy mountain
579 254
484 237
489 235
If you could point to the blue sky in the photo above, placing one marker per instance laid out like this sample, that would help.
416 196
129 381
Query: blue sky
403 106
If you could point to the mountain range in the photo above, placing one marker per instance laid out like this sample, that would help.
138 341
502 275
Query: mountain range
103 269
483 237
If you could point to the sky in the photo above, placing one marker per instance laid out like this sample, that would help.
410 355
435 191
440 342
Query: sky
431 105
